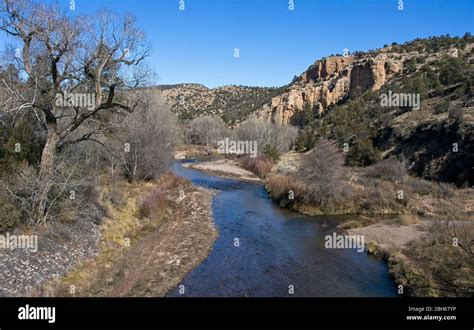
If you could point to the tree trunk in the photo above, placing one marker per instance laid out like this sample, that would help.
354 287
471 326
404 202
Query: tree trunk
45 176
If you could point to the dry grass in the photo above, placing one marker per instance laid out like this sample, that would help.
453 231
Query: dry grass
259 165
152 203
123 226
383 188
448 268
170 181
388 169
406 219
279 187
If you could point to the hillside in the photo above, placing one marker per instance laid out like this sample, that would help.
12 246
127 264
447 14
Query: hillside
339 97
334 79
232 103
435 138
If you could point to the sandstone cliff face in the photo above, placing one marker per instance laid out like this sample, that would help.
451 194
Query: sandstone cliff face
326 67
329 81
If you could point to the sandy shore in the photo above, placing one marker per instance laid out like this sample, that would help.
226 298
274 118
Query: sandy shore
225 168
391 236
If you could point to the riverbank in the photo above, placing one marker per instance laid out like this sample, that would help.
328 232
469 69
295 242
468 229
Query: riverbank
226 168
403 219
387 241
262 250
152 236
213 163
189 151
428 258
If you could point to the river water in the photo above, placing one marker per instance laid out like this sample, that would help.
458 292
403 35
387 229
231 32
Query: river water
277 250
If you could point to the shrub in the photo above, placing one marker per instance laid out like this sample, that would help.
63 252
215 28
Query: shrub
420 60
279 187
155 201
420 186
152 204
10 214
381 197
456 114
259 165
116 195
272 152
451 70
441 107
170 181
323 172
449 267
410 65
303 117
25 133
362 153
406 219
306 139
417 84
442 190
388 169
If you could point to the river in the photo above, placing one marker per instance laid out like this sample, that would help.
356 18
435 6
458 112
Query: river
265 251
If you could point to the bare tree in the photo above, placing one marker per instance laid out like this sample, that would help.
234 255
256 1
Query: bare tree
205 130
61 55
150 133
279 137
447 251
323 171
139 144
23 183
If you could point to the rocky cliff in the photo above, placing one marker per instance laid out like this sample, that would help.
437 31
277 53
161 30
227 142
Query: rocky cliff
331 80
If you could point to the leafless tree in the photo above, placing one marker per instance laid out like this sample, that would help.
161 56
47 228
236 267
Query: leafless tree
23 183
280 138
150 134
323 171
447 251
205 130
98 55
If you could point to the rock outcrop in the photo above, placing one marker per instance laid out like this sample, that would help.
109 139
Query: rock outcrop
329 81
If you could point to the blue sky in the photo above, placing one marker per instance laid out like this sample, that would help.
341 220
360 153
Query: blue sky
197 44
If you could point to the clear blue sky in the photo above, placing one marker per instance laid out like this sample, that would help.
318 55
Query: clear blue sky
197 44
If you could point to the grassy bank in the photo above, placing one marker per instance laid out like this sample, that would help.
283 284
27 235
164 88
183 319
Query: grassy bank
422 229
153 234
